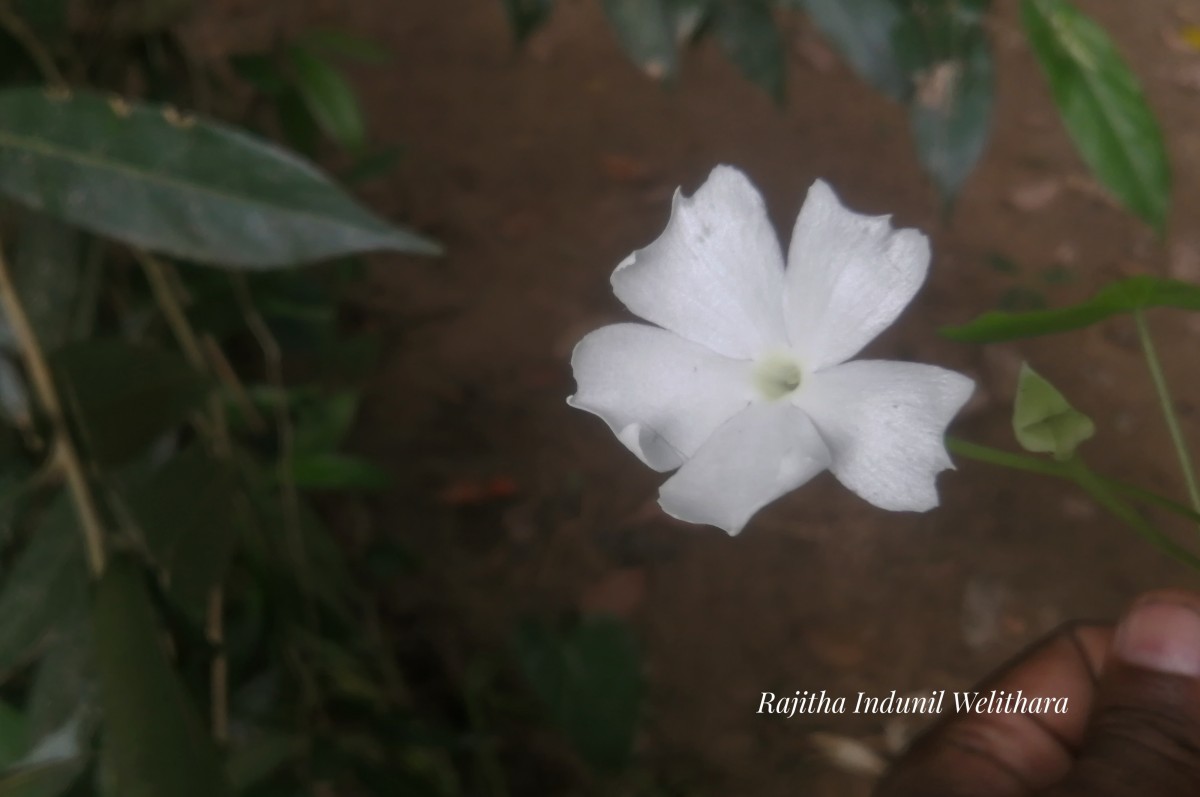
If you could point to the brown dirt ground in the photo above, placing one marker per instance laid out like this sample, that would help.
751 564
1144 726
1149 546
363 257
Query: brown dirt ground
541 168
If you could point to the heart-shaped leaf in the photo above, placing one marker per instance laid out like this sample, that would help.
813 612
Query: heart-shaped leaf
1044 421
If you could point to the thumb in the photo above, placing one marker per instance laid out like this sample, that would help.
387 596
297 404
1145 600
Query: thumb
1143 736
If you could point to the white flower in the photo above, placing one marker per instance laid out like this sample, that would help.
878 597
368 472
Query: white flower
744 385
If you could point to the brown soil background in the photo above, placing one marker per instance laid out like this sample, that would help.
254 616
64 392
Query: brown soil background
541 168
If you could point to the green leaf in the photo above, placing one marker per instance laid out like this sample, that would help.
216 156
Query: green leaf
260 71
1123 296
942 44
262 755
526 16
296 121
185 511
373 165
951 114
322 421
49 779
153 738
190 188
862 30
329 98
333 41
1102 106
589 678
1043 420
64 678
646 30
45 589
334 471
47 266
47 18
14 735
748 33
124 396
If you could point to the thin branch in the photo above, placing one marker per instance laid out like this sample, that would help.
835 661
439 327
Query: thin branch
219 675
64 454
1168 409
165 286
12 22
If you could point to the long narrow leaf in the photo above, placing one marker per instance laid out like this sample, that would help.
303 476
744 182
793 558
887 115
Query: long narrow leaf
190 188
153 739
1123 296
1102 106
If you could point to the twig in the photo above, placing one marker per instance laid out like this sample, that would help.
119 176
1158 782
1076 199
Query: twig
273 361
163 284
64 454
15 26
1168 409
219 675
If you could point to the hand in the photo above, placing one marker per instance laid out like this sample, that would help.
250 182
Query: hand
1132 728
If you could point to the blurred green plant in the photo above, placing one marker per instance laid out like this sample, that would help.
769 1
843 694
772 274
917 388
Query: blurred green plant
933 57
174 397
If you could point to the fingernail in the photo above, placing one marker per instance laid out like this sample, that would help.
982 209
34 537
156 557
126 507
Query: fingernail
1164 637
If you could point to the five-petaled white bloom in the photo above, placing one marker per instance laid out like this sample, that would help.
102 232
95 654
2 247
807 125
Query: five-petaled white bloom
744 385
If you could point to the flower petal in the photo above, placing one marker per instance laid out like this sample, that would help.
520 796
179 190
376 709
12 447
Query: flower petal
662 395
849 276
761 453
884 423
715 274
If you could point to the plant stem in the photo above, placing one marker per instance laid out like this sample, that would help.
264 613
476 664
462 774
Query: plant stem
166 295
172 308
1168 408
219 675
1101 490
12 23
64 454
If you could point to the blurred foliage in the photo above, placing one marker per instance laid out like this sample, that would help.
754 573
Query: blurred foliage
180 616
932 56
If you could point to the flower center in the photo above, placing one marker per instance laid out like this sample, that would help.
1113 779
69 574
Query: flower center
776 375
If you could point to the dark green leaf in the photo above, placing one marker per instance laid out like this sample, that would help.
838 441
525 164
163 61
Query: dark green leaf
321 421
296 121
14 735
645 29
64 678
690 18
153 738
190 188
942 44
46 588
14 401
185 511
1102 106
259 757
48 779
862 30
334 471
1123 296
329 98
748 33
373 165
260 71
47 18
47 267
526 16
346 45
125 396
951 115
589 678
